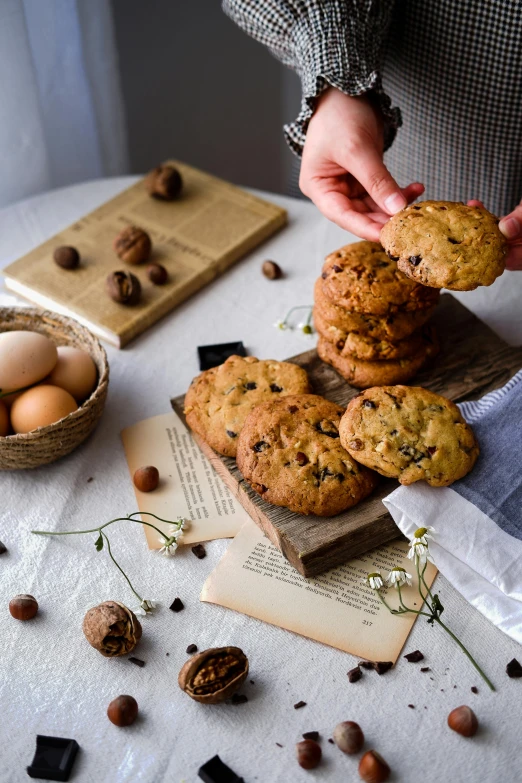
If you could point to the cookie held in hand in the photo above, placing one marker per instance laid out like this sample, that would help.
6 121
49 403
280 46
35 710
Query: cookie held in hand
446 244
290 452
409 433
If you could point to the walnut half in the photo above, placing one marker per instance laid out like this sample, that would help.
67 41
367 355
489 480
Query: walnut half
214 675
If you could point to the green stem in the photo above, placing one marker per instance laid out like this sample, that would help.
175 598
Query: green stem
465 651
298 307
101 527
419 580
140 599
424 581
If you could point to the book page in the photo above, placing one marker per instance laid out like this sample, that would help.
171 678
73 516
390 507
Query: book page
195 237
336 608
189 486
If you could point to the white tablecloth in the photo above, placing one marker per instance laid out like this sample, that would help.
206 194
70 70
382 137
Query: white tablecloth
53 682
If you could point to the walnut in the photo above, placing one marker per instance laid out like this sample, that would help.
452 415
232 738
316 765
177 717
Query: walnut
164 182
214 675
112 628
133 245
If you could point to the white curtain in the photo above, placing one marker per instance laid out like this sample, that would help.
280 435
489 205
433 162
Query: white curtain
61 109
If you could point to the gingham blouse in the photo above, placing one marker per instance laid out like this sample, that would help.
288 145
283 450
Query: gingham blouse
454 67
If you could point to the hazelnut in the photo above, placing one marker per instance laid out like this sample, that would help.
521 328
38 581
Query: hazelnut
464 721
146 479
133 245
164 182
67 257
123 288
112 629
212 676
373 768
23 607
157 274
272 270
348 736
308 753
122 711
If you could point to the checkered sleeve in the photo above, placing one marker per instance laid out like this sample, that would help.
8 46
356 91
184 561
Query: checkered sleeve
328 42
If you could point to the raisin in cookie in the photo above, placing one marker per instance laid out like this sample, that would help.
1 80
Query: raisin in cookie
396 326
219 400
361 278
363 374
289 451
362 346
446 244
409 433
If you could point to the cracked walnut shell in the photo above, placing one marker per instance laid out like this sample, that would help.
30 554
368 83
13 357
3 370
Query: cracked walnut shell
112 629
213 675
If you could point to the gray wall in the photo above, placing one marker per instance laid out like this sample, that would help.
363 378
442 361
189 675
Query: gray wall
199 89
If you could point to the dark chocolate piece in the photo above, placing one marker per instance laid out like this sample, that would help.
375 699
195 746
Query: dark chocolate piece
381 667
354 674
215 771
414 657
411 706
331 741
279 745
199 551
366 664
299 705
137 662
239 698
212 355
177 605
474 689
192 648
425 669
313 735
514 669
3 548
90 479
53 759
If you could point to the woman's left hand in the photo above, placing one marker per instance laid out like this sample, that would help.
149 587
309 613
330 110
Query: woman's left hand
511 227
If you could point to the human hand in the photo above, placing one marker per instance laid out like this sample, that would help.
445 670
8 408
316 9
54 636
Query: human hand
342 170
511 227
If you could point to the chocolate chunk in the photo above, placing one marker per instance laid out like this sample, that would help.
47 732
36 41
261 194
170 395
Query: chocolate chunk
393 258
261 445
292 409
354 674
299 705
340 477
212 355
3 548
369 404
275 388
425 669
356 444
414 657
453 241
381 667
215 771
411 706
137 662
313 735
337 268
330 740
514 669
327 428
53 758
231 434
279 745
192 648
325 473
239 698
366 664
177 605
474 689
324 275
415 260
432 450
251 385
199 551
90 479
301 458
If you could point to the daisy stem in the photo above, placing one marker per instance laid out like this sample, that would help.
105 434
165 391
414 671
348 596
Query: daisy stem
420 581
298 307
465 651
118 566
128 518
424 581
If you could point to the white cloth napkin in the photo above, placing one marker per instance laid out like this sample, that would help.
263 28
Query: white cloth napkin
478 520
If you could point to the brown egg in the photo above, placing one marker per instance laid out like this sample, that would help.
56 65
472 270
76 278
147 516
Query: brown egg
25 358
41 406
75 372
4 420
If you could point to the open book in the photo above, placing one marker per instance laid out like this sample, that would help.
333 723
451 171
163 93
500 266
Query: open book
196 237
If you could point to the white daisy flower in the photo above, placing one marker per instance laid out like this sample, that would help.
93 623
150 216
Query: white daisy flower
305 328
169 545
281 325
375 581
146 607
419 547
398 576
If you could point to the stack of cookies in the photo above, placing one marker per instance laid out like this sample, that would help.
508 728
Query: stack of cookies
372 320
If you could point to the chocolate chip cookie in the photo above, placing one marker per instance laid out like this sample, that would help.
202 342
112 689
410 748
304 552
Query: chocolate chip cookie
289 451
446 244
409 433
361 278
363 374
362 346
219 400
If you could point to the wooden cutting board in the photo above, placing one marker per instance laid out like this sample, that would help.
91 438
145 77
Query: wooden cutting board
473 361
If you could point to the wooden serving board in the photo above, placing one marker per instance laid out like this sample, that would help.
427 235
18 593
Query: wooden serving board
473 360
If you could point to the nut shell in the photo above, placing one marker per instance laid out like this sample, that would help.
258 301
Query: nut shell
146 479
212 676
308 753
123 710
23 607
66 257
271 270
464 721
123 287
348 737
112 629
373 768
133 245
164 182
157 274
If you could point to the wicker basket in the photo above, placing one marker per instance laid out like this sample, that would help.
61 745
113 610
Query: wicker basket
47 444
